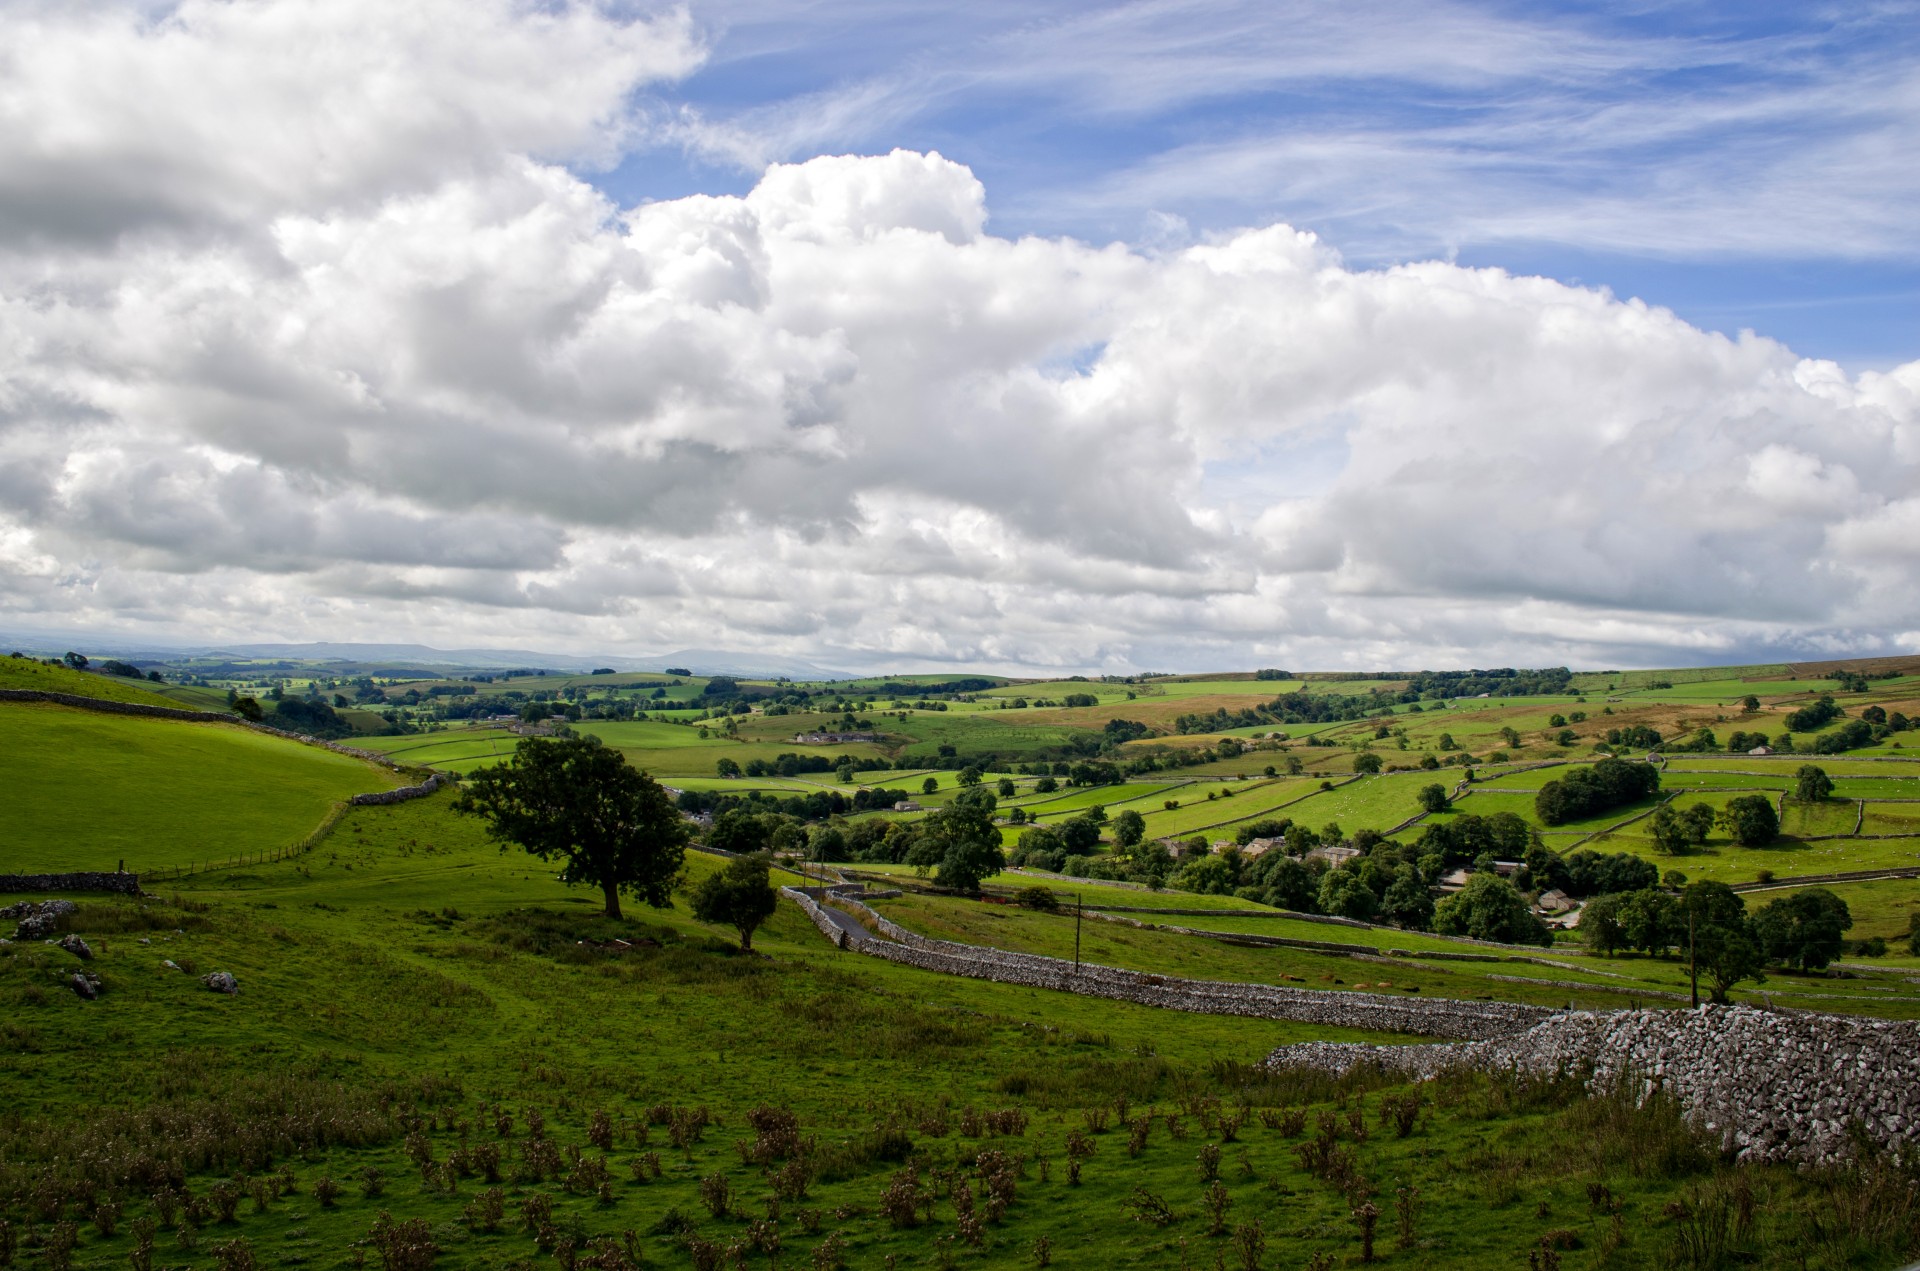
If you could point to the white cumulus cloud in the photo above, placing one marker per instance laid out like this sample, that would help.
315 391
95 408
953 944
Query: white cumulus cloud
364 362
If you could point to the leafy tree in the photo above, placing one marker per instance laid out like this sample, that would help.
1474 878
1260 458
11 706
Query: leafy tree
1585 791
1804 930
742 832
1005 788
1046 785
971 776
1080 835
1722 938
1812 717
1547 869
1672 834
78 661
1345 894
1649 920
1591 873
1601 925
1289 883
1434 798
1488 908
1208 875
828 843
1811 784
1749 819
726 767
1366 762
1038 898
967 841
573 800
929 785
1749 703
1129 828
1409 901
246 708
739 895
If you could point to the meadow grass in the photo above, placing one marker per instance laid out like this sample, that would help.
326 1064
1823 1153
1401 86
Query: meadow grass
407 986
86 790
26 673
1260 800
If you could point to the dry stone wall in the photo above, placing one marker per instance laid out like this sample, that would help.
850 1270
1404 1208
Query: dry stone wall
1769 1086
1424 1017
125 884
404 793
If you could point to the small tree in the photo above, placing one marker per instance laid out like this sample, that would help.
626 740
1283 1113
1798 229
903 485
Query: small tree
1721 937
1749 819
1434 798
1366 762
740 896
929 785
1811 784
964 842
1129 828
1488 908
1804 930
579 802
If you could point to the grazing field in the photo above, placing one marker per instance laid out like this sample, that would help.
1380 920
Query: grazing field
26 673
1283 797
86 791
412 996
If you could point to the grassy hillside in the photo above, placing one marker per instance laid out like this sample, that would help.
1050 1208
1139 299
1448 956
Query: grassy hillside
87 790
30 674
413 999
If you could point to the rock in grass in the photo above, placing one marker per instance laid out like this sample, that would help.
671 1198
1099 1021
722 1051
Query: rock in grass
77 947
85 984
39 919
221 982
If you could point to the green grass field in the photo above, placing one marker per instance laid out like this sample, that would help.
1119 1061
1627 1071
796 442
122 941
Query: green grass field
26 673
86 790
407 967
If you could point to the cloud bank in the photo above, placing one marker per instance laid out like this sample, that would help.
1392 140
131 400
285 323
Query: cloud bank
311 328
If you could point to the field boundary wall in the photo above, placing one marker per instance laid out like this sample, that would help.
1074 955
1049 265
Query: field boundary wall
121 883
1426 1017
1767 1085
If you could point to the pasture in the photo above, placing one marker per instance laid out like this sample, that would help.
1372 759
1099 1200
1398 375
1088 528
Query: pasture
86 791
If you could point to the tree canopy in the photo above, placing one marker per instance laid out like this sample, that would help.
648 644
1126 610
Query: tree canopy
1805 930
1750 820
1488 908
1585 791
738 895
576 801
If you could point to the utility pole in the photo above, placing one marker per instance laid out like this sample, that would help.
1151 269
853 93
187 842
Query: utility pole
1693 961
1077 907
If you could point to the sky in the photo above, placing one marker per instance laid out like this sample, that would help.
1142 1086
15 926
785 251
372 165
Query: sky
1169 335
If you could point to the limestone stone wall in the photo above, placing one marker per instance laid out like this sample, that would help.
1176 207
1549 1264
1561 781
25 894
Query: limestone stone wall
404 793
125 884
1430 1017
1770 1086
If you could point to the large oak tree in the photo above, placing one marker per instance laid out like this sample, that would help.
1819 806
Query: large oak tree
574 800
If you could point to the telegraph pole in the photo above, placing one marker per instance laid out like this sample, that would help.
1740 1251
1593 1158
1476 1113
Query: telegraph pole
1077 907
1693 961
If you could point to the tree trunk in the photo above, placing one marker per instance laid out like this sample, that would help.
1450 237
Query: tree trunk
746 939
611 890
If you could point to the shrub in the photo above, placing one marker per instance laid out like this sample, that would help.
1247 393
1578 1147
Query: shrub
406 1245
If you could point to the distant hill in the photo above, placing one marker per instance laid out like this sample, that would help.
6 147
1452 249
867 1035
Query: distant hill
729 662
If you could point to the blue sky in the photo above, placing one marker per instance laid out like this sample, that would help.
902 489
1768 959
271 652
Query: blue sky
1746 165
314 326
